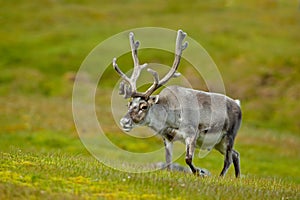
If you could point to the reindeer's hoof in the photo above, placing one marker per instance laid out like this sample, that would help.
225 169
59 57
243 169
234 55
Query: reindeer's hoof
202 172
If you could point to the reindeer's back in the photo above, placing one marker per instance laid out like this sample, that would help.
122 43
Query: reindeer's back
187 97
200 107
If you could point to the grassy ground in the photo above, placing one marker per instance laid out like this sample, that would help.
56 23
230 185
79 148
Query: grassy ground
44 158
255 44
59 176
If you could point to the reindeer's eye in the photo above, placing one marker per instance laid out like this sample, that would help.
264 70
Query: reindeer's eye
144 107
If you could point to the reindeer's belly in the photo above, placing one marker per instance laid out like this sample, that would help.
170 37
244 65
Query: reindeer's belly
205 141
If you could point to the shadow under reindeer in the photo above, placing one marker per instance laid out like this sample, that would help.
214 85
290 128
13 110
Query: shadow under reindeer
179 168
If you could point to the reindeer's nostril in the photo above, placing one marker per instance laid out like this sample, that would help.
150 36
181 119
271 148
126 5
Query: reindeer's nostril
126 124
124 121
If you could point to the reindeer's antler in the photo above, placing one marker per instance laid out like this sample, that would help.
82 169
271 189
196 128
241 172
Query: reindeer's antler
172 73
130 90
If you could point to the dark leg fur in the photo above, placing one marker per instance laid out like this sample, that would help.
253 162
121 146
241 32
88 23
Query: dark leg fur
231 155
190 148
228 156
189 159
236 163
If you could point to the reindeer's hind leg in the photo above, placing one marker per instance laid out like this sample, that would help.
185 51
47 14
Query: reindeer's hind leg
228 155
231 155
235 157
236 162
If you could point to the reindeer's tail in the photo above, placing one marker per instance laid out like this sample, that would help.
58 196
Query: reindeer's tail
238 102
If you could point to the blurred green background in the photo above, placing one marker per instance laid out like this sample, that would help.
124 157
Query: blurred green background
255 44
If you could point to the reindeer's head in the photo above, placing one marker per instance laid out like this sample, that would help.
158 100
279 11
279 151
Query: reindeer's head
137 112
140 103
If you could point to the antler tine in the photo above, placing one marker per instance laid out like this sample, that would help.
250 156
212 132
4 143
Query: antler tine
178 52
172 73
116 67
130 90
123 88
134 46
137 67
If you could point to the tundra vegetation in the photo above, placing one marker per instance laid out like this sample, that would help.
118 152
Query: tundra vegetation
255 44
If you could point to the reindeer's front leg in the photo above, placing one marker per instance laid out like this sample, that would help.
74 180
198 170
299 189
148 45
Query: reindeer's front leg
190 142
169 152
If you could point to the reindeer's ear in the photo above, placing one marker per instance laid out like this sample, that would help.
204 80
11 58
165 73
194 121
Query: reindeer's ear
153 99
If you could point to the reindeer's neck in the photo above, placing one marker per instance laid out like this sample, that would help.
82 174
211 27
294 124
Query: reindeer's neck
159 118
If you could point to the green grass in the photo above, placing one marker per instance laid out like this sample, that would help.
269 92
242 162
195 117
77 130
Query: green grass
47 162
57 175
255 45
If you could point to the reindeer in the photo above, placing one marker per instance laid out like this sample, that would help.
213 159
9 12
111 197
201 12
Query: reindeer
198 119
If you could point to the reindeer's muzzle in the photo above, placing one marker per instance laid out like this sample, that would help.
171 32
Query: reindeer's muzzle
126 124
